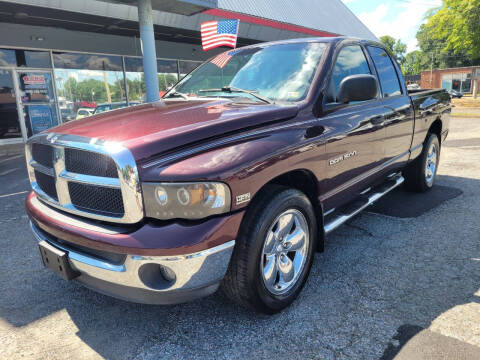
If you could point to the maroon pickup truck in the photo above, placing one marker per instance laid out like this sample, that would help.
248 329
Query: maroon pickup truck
235 178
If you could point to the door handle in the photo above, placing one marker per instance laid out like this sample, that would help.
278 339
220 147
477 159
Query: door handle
378 120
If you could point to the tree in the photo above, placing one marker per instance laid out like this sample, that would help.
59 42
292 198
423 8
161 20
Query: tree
415 62
454 29
396 47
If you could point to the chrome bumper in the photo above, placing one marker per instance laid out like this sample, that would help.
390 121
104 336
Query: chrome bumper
150 279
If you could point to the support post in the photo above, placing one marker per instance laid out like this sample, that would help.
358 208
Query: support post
147 39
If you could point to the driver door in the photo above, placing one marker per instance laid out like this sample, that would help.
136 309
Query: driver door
355 132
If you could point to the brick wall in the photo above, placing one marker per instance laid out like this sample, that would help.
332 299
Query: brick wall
434 80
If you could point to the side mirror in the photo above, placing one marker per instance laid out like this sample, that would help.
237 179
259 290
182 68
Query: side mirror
357 88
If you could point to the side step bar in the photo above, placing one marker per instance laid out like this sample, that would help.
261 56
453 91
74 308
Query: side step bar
364 201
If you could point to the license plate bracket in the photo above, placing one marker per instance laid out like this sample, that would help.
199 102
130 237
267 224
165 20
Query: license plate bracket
56 260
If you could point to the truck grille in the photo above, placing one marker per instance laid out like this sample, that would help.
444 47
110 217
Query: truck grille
100 200
47 184
80 176
43 154
88 163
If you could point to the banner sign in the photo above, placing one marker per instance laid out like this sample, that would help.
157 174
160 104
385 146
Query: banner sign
36 87
40 118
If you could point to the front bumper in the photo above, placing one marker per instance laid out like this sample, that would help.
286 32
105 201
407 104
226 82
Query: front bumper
149 279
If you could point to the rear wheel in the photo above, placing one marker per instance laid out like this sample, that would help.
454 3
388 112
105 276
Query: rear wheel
274 251
421 173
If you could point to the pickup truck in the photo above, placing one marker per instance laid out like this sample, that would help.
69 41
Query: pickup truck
235 178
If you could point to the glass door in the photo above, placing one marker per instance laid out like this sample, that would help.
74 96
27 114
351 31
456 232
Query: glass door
10 129
37 99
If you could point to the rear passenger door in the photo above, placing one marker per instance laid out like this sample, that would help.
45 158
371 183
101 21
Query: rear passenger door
399 116
355 133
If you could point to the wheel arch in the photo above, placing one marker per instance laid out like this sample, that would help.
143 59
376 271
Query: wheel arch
436 128
305 181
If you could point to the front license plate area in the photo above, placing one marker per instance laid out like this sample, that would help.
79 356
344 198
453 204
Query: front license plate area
56 260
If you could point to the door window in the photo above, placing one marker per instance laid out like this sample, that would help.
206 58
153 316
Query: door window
386 72
9 124
36 93
350 61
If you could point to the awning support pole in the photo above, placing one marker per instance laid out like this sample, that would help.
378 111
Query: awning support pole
147 38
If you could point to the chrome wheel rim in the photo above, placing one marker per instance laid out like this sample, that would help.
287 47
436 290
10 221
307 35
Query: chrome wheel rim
285 251
431 164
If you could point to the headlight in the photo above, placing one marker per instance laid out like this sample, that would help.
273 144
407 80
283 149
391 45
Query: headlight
185 200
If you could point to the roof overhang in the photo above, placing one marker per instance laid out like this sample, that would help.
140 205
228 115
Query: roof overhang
181 7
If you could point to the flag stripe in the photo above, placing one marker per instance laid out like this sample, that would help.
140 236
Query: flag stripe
219 33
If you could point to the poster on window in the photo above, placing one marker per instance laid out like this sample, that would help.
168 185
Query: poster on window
40 118
36 87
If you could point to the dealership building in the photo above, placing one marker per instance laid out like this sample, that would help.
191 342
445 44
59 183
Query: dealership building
63 60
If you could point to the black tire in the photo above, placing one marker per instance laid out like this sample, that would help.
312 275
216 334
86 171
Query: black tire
415 174
244 282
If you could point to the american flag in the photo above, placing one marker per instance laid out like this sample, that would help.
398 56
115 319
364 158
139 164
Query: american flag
219 33
222 59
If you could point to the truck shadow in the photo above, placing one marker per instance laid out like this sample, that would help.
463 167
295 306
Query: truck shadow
377 275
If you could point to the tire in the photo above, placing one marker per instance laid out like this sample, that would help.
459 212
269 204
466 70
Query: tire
261 274
421 173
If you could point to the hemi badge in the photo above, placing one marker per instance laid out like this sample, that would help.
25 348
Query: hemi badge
243 198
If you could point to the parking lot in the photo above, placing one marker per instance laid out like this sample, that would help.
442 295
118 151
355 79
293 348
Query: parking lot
385 288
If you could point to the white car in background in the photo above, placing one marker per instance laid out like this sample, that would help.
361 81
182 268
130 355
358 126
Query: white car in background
84 112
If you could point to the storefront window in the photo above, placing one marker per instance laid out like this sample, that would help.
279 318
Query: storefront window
86 81
9 124
460 82
187 66
34 59
7 58
167 77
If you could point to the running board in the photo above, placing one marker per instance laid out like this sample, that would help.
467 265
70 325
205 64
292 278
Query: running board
364 201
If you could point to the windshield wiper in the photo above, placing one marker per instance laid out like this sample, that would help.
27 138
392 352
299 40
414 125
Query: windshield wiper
176 93
229 89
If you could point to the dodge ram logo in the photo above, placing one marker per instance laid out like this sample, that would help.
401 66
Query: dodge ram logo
343 157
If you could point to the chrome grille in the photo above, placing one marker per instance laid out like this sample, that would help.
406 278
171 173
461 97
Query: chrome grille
97 199
43 154
89 163
84 176
47 184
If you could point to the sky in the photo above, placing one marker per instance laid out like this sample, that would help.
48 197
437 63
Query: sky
397 18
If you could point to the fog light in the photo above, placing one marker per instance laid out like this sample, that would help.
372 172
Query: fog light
156 276
167 273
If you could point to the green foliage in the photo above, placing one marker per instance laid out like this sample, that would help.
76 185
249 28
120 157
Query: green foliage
415 62
456 25
396 47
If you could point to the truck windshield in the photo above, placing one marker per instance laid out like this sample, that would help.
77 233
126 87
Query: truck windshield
282 72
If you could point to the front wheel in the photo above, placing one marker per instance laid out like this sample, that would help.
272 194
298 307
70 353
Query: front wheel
274 251
421 173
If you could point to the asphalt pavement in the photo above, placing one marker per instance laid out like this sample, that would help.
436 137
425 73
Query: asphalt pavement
386 287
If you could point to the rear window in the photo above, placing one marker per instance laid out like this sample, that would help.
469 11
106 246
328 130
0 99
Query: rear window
386 72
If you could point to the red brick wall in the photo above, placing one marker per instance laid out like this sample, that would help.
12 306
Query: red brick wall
436 78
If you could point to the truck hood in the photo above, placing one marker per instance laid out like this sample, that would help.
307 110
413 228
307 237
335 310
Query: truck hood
150 129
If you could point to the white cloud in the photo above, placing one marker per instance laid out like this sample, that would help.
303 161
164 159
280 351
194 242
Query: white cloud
398 19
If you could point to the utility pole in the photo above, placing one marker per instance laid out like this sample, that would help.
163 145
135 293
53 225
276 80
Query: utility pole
431 71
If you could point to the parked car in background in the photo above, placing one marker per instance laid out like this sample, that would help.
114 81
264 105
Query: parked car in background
237 184
84 112
113 106
67 114
455 94
413 87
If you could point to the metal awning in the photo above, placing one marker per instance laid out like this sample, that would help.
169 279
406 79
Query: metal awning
181 7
